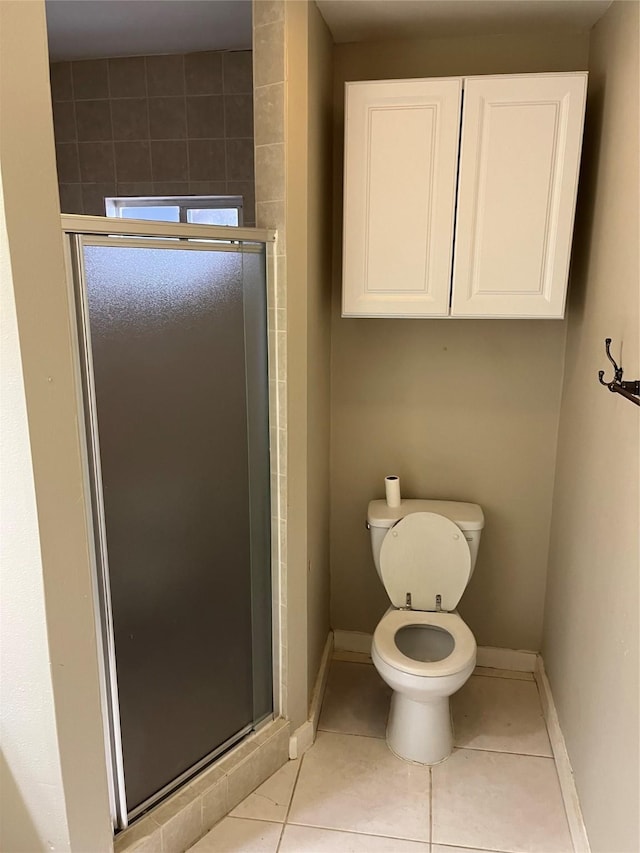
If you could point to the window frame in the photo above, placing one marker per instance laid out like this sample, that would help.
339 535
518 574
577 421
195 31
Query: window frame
116 204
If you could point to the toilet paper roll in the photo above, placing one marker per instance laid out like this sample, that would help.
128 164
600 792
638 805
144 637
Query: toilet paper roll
392 488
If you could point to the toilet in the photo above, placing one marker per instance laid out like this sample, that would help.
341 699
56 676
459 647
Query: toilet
425 553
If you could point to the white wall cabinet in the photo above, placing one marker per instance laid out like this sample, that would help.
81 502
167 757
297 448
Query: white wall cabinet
502 164
399 203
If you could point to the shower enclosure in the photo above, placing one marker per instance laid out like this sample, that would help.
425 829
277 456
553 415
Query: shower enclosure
172 344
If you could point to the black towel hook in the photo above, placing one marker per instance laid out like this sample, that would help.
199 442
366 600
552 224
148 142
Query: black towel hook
629 390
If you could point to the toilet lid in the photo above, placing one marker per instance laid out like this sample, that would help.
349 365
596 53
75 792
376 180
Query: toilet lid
425 555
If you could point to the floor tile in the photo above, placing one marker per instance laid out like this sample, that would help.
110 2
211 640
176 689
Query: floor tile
355 783
306 839
356 700
234 835
500 714
271 800
498 801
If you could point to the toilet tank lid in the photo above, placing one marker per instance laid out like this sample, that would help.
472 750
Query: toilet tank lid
466 516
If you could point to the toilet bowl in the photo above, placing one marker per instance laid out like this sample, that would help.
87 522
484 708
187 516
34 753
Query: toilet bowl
424 553
424 658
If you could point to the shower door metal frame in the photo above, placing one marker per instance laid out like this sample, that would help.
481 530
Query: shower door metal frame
95 230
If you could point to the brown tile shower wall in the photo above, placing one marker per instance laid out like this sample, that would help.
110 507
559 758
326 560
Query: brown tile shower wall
154 125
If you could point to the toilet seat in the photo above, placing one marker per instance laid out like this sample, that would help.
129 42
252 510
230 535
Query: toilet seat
464 650
425 562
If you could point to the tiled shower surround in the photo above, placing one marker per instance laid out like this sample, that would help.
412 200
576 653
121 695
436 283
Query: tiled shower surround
269 115
154 125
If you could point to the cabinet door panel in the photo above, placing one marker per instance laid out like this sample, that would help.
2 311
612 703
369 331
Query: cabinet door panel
401 146
519 159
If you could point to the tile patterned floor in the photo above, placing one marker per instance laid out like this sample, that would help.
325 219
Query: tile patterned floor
498 791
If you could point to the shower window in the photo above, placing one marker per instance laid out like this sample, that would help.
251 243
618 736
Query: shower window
199 210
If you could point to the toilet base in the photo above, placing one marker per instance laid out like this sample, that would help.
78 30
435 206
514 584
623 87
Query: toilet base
418 731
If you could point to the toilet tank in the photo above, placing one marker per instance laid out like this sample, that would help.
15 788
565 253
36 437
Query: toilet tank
381 517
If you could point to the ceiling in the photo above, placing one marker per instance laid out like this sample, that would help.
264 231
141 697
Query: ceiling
88 29
85 29
372 20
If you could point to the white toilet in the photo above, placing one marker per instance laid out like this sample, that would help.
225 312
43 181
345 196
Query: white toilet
424 552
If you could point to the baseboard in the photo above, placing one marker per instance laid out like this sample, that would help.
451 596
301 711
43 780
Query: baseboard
513 659
305 735
301 740
563 764
351 657
352 641
517 660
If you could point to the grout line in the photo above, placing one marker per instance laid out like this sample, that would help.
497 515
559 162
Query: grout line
264 86
456 746
113 141
187 136
282 826
203 831
503 677
263 145
430 807
503 752
224 126
346 831
362 833
466 849
247 817
148 140
293 791
353 734
295 785
166 139
75 130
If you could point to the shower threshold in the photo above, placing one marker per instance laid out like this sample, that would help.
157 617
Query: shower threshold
193 809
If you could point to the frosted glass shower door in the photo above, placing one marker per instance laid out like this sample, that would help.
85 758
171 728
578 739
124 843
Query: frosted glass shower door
176 383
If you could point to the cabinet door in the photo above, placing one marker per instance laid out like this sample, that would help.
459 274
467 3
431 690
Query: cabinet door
519 159
401 150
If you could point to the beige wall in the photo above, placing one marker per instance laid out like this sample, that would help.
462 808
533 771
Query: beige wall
292 75
30 774
308 149
69 666
296 142
180 124
591 616
319 212
459 409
